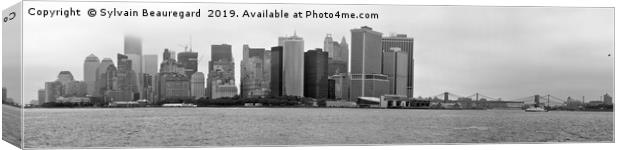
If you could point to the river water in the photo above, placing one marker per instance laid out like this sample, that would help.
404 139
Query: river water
161 127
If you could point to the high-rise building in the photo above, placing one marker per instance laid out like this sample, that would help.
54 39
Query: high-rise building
189 62
150 64
65 77
90 73
338 55
366 77
315 74
101 82
75 89
148 88
267 72
253 73
198 85
169 64
126 80
41 95
53 90
293 64
405 44
341 84
276 71
221 52
133 52
395 67
221 78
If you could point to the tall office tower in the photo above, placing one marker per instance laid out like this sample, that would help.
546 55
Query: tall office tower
198 85
150 63
395 67
267 72
315 74
338 55
90 73
133 51
252 72
366 77
41 95
221 79
189 62
276 71
101 83
405 44
293 64
126 81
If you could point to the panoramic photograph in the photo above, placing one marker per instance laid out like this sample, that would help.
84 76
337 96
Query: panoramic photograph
121 74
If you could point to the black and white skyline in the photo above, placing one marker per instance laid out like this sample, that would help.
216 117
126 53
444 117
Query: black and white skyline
507 52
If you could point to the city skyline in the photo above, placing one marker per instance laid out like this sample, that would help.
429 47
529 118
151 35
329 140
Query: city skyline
442 59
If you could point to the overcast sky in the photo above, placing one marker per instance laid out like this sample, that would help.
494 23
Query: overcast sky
507 52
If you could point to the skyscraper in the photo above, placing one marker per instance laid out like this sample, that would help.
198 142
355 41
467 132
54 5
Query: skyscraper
293 64
221 78
150 64
101 83
253 72
41 95
276 71
189 62
405 44
126 81
133 52
315 74
395 67
366 77
198 85
338 55
90 73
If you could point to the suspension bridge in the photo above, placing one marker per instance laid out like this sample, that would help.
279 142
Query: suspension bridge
477 100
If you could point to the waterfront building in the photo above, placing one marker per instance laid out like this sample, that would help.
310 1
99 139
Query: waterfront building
221 78
338 55
293 64
276 71
395 67
188 61
90 73
405 44
315 74
173 87
266 85
366 77
41 95
150 63
253 77
198 85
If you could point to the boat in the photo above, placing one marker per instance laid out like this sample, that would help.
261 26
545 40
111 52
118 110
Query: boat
178 105
536 109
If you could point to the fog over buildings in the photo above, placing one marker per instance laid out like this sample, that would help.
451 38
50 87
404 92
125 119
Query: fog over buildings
507 52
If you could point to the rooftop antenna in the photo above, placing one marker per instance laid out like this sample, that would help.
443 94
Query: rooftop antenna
190 43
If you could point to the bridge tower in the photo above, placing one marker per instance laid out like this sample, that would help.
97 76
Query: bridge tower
445 97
